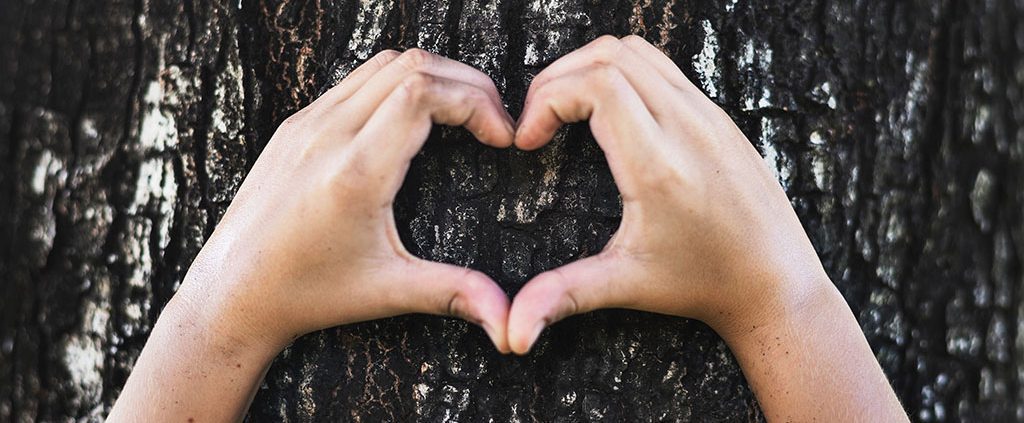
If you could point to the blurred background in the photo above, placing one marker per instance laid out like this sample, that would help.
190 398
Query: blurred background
895 127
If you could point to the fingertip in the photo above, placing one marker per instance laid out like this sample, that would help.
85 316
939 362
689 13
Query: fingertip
489 306
508 137
525 140
508 130
493 128
496 327
498 338
534 307
523 344
450 290
535 128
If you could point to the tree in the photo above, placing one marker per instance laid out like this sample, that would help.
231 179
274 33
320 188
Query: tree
895 127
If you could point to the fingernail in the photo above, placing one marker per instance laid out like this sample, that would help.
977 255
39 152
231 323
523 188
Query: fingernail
518 132
510 128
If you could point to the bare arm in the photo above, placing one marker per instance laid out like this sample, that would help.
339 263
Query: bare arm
706 233
309 241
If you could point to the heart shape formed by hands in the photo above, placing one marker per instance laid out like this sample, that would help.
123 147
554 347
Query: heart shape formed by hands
313 226
668 147
310 239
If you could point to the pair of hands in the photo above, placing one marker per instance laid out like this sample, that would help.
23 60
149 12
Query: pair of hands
309 241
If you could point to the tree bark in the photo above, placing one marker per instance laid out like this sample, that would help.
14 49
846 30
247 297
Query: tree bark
894 126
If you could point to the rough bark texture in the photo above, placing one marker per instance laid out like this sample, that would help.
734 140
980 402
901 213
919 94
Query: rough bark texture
895 127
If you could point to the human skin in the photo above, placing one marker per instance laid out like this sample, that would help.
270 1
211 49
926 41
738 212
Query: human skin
707 233
309 241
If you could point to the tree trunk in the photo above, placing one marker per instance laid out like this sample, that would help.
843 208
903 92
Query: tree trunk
895 127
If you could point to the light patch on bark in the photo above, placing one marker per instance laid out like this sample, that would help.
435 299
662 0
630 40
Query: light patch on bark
962 339
746 58
981 198
636 19
779 164
816 138
156 183
48 167
457 397
705 62
138 247
826 89
420 391
83 351
229 93
488 50
158 130
757 59
821 171
307 406
666 25
670 373
555 22
515 414
908 123
892 232
370 21
531 57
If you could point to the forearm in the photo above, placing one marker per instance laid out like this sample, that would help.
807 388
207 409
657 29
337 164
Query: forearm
192 369
813 363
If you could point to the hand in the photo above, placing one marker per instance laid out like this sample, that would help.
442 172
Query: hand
706 233
310 242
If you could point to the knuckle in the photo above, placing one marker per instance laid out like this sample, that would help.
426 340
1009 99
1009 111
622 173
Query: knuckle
558 286
635 40
545 92
454 305
386 55
295 123
474 95
295 119
539 80
606 77
605 40
383 57
416 86
456 299
416 58
606 49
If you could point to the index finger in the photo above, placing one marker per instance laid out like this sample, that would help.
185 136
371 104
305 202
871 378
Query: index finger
399 127
619 119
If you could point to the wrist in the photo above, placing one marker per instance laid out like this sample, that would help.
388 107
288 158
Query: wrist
221 308
200 367
204 322
783 303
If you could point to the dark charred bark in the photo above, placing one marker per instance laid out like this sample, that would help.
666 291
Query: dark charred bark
895 127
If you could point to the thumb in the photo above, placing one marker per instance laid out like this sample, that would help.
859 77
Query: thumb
595 282
449 290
